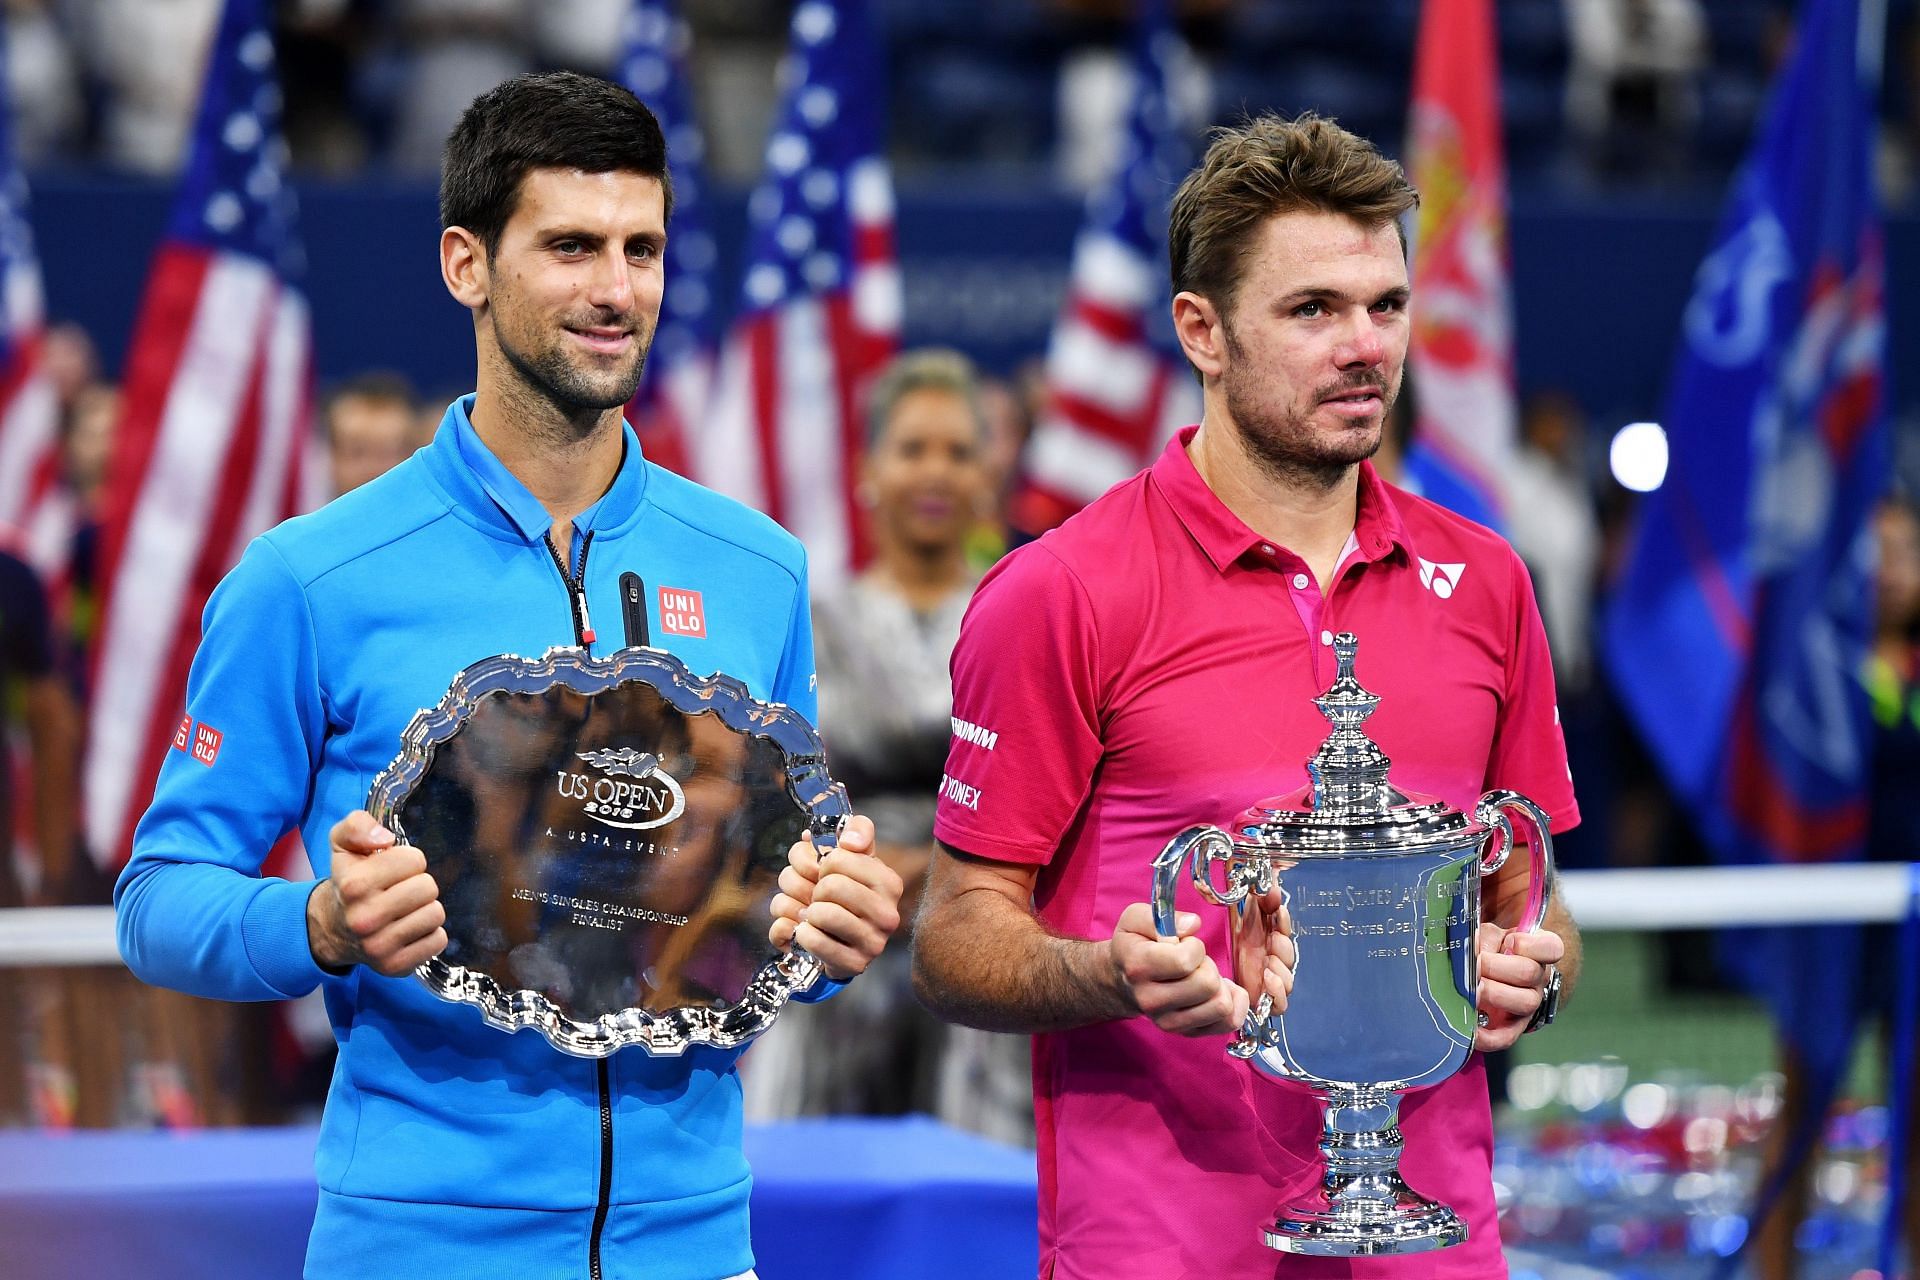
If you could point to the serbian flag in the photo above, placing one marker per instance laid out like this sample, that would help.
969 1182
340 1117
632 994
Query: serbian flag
37 515
672 399
1462 344
211 442
1741 623
1117 387
821 297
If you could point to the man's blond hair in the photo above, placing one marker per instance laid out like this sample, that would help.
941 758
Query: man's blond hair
1267 166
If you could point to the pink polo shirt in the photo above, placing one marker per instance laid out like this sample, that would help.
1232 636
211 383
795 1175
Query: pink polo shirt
1151 664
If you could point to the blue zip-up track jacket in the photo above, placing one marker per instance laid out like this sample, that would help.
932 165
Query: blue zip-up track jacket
449 1147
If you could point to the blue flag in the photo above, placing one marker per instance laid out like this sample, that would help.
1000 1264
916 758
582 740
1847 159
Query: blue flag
1745 611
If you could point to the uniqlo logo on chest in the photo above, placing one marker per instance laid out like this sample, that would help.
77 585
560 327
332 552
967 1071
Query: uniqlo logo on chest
682 613
206 744
184 734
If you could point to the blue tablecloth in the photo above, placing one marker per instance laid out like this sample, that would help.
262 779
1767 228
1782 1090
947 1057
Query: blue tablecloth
832 1200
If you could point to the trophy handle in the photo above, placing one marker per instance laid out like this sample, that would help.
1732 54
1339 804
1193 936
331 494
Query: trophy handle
1492 812
1208 844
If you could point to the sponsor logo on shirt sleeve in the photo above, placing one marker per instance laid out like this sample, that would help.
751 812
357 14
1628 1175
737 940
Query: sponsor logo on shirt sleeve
682 613
957 792
183 736
206 744
967 731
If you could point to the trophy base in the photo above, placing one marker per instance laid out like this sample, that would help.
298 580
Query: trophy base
1328 1230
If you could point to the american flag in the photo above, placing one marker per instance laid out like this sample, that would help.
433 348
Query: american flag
1117 387
36 510
212 439
821 297
1462 348
679 375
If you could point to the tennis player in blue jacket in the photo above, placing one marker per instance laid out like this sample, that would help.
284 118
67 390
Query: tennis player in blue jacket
447 1147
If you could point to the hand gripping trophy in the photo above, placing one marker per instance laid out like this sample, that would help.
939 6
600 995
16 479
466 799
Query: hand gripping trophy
1384 890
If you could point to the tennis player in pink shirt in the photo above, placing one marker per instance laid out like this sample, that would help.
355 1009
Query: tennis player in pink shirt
1152 664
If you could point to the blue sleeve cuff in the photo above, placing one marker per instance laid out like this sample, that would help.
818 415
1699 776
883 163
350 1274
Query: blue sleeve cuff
823 988
274 930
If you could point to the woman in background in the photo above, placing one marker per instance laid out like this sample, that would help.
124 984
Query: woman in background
883 641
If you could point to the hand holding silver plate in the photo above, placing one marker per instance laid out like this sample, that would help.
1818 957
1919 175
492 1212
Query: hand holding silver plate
1383 888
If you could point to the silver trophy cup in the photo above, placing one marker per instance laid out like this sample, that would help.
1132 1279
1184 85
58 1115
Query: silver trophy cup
1384 891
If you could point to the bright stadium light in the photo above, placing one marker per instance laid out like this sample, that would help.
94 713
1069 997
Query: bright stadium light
1639 456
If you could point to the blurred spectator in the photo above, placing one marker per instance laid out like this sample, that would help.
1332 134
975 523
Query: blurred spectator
1096 93
91 419
321 44
457 50
31 687
1632 88
1555 526
580 35
883 642
737 49
1004 407
34 1087
93 415
146 57
70 361
371 425
47 111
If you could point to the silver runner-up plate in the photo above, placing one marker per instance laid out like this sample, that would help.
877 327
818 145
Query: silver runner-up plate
607 835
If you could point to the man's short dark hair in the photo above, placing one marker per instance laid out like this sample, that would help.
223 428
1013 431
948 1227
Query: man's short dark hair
553 120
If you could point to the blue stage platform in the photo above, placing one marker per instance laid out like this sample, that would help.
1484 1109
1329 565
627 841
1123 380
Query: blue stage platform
832 1200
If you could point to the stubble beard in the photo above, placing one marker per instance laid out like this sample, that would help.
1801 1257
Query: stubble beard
1284 445
577 397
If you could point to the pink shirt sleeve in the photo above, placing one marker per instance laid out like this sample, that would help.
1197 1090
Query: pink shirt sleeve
1529 749
1025 712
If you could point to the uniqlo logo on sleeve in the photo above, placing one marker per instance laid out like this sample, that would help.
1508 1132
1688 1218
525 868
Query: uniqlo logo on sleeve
206 744
681 613
184 734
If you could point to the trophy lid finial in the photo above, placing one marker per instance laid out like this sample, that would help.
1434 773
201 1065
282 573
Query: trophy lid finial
1345 645
1350 808
1349 772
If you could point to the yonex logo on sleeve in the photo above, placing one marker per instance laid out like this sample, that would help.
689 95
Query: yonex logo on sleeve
967 731
960 793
